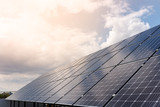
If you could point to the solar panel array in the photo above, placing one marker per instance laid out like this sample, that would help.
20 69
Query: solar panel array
124 74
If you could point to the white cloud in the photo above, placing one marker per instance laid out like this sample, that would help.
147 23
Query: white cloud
123 22
41 48
15 81
32 45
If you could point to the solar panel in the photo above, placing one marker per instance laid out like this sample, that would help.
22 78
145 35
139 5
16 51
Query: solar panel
83 87
157 33
56 89
144 35
122 75
48 88
143 89
157 53
65 89
124 43
87 69
145 50
120 56
86 72
109 85
103 51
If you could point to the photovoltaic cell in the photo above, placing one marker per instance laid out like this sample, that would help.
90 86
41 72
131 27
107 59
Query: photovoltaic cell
109 85
90 57
144 50
64 74
157 33
124 43
32 91
141 90
120 46
109 49
157 53
144 35
94 55
88 71
99 63
83 87
74 71
48 88
57 88
86 66
120 56
61 92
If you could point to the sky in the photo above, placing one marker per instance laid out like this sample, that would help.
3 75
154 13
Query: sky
36 36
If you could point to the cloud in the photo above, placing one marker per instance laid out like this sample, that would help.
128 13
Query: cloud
15 81
123 22
37 36
39 50
32 45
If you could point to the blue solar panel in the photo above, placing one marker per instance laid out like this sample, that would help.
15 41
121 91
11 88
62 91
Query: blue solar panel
143 89
125 74
157 33
48 88
157 53
120 56
124 43
99 63
83 87
145 50
109 49
109 85
144 35
86 66
65 89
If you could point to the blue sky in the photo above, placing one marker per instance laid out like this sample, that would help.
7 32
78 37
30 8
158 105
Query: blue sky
153 18
39 35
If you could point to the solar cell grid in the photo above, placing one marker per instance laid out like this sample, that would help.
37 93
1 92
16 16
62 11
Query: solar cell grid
59 75
86 66
120 56
100 62
144 35
65 89
109 49
27 94
83 87
109 85
48 88
84 59
121 45
124 43
100 53
89 57
57 88
51 72
59 69
76 62
93 55
63 74
144 50
157 31
143 89
157 53
74 71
